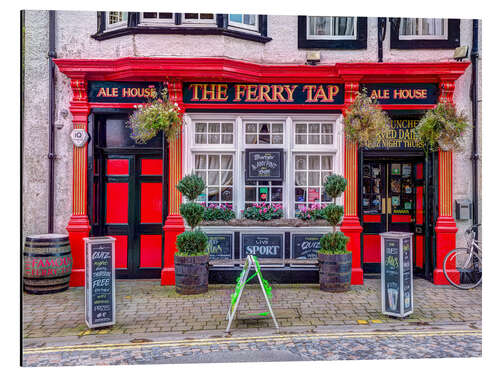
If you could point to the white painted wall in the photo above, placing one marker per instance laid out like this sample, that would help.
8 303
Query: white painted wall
73 40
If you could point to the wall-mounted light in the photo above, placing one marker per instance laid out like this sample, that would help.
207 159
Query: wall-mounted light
313 57
461 53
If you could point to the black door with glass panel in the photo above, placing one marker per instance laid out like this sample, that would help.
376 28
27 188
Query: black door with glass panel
126 198
392 198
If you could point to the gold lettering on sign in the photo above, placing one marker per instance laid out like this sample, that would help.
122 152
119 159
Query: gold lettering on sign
401 135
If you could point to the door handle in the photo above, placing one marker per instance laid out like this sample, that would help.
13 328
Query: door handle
383 205
389 206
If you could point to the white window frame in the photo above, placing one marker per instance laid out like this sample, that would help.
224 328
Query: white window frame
117 25
244 26
201 22
238 149
425 37
156 21
332 37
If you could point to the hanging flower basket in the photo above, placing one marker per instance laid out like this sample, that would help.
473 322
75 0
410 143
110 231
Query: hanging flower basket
158 114
442 127
365 122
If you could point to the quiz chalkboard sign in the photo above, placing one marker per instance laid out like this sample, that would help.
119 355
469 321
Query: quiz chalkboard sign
397 273
264 165
305 246
266 246
99 281
220 246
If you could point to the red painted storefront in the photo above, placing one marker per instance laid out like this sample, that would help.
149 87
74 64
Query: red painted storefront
174 71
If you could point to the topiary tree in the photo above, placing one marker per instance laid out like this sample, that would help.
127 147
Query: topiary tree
334 243
193 242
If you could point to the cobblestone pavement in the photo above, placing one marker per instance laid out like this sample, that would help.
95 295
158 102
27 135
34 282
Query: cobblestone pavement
374 344
146 307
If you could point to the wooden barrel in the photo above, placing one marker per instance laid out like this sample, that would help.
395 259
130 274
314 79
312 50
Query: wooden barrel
47 263
335 272
191 274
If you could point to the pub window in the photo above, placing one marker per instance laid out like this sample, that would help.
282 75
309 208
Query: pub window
213 133
331 27
244 21
216 170
313 133
263 133
423 28
425 33
311 170
328 32
156 18
116 20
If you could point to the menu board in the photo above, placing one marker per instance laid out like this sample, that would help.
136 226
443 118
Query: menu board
220 246
268 246
391 276
264 165
305 246
407 284
99 282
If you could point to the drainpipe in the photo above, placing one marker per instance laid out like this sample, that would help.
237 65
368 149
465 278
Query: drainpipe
474 99
51 156
381 26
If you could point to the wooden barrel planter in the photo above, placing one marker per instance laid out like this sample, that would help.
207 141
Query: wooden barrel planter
335 272
47 263
191 274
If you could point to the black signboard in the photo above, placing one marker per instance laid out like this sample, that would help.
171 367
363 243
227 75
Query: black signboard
262 93
403 93
269 246
401 135
391 276
122 92
99 288
220 246
305 246
264 164
407 282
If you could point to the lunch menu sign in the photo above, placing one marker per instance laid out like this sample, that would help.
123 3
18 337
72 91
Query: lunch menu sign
99 281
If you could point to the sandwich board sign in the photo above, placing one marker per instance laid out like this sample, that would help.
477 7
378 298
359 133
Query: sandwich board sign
241 281
100 281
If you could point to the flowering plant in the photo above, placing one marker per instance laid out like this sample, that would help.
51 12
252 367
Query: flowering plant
313 212
158 114
365 122
264 211
215 212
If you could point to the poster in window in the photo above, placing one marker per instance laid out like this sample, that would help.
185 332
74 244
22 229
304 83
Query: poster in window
264 164
395 200
396 169
406 170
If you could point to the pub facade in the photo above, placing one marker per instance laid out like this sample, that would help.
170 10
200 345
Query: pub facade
255 98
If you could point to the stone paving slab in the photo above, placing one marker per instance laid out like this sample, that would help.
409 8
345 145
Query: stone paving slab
146 307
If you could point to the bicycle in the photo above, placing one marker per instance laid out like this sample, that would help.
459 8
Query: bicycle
468 261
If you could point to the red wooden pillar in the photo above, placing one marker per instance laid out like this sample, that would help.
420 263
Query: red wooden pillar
174 224
445 228
351 225
78 225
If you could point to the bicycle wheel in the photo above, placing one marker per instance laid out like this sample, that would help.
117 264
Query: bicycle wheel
470 268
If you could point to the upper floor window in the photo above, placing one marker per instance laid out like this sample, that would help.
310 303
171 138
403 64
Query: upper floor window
328 32
243 26
244 21
331 28
116 19
156 17
423 28
198 18
425 33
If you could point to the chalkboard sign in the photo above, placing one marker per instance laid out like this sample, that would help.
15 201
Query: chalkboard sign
266 246
407 276
100 281
305 246
391 275
220 246
264 165
397 274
